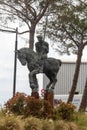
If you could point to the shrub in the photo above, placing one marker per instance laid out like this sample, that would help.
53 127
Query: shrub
33 106
22 104
46 110
16 104
64 111
37 107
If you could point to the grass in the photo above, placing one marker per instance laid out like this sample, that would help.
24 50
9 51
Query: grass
81 120
9 121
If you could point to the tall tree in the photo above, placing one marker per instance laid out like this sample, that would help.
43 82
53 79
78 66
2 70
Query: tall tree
68 27
29 12
83 104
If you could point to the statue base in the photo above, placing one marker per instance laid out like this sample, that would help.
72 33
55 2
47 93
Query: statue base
49 96
35 95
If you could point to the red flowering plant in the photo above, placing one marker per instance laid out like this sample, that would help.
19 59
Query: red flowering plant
16 104
33 106
37 107
22 104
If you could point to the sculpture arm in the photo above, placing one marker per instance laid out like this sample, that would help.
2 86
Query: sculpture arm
37 47
46 47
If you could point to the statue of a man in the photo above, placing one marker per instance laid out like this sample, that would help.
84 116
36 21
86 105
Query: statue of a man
42 48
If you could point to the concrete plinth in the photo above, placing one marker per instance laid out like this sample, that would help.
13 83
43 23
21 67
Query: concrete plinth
49 96
35 94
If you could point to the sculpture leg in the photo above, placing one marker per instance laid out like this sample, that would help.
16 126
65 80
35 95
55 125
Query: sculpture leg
48 85
34 86
53 80
53 84
33 80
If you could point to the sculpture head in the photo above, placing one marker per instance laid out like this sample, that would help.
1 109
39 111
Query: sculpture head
21 57
40 38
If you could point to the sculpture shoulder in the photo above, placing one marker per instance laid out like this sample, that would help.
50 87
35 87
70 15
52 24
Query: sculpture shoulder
36 43
45 43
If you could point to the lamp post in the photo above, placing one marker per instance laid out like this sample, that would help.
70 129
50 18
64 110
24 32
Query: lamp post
46 23
15 63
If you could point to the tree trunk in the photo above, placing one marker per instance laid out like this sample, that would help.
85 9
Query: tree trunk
76 75
84 99
31 36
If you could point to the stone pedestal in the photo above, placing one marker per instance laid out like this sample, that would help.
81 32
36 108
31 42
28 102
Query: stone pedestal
35 94
49 96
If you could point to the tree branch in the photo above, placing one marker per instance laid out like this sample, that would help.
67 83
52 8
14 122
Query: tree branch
83 2
11 13
71 37
31 9
75 29
43 11
15 9
85 43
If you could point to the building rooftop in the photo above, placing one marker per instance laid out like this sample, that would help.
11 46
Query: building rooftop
72 59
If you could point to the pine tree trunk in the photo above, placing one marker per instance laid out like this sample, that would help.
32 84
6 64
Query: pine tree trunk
84 99
31 36
76 75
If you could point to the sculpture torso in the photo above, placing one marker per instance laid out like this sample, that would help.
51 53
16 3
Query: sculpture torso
42 48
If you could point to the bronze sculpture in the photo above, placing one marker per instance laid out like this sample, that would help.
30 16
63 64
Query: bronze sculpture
50 67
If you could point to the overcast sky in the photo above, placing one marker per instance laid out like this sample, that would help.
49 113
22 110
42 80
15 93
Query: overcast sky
7 44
